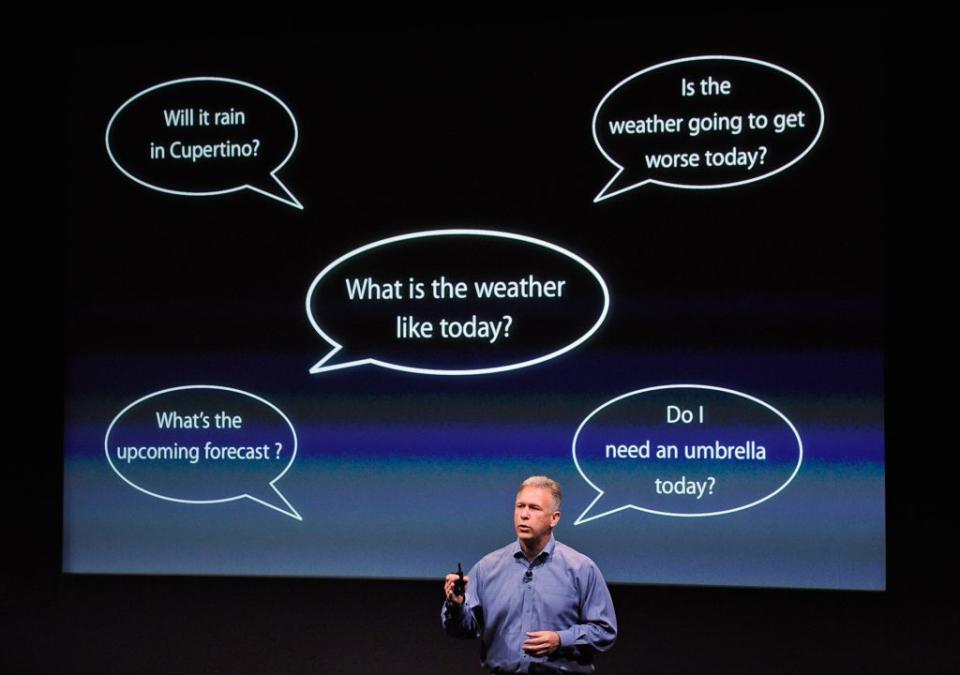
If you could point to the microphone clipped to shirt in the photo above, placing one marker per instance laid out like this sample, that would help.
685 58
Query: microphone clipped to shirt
528 575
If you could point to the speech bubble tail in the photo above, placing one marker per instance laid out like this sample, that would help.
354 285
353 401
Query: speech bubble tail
276 190
327 362
274 499
622 182
583 518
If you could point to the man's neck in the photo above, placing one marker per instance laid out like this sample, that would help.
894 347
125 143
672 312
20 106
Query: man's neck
534 548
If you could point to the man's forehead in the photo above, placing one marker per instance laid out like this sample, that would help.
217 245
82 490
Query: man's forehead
535 495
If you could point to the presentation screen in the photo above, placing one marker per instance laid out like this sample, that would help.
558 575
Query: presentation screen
331 296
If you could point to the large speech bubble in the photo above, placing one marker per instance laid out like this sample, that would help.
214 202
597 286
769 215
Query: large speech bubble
204 136
685 450
705 122
455 302
204 444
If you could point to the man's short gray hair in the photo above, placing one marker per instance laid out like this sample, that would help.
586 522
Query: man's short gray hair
549 484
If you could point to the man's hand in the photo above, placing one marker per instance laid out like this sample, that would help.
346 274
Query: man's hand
448 588
541 642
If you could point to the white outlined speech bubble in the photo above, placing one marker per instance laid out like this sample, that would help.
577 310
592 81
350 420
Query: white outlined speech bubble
626 467
665 118
462 238
260 179
263 492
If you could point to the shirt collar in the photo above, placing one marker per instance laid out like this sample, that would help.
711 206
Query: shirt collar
548 549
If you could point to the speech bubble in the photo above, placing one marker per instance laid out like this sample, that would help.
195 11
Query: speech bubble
705 122
685 450
204 136
204 444
455 302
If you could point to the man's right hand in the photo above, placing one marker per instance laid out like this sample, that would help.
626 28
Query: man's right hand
448 588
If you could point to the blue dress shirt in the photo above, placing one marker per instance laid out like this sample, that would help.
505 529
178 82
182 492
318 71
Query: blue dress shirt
507 597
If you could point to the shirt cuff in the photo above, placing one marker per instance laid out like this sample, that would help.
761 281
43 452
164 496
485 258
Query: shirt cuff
568 637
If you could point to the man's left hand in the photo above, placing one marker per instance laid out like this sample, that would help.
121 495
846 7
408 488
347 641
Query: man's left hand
541 642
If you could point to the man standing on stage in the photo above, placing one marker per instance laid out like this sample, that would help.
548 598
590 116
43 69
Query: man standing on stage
537 605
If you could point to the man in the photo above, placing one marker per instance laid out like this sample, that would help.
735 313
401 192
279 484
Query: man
537 605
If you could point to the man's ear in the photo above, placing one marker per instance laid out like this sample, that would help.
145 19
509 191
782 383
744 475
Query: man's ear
554 518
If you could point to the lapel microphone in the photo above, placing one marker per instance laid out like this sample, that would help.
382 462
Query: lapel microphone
528 575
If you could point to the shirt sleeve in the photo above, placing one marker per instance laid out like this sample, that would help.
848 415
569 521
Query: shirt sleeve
598 621
460 621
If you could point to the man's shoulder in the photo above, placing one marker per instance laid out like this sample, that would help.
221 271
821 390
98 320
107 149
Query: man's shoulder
498 559
502 553
572 557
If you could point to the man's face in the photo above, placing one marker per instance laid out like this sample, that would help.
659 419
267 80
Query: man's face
534 516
